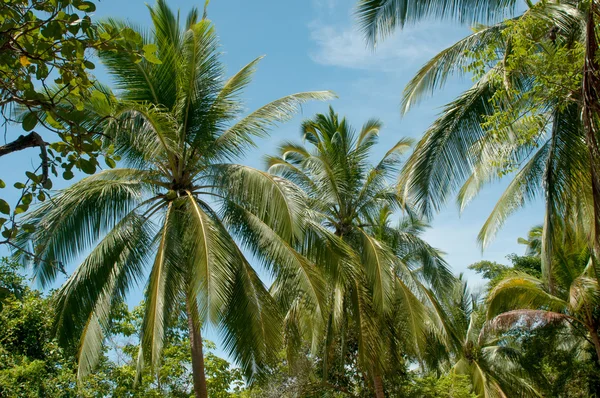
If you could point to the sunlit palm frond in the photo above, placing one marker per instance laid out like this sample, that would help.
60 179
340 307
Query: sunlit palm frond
521 291
87 209
239 137
449 62
163 290
443 158
379 18
100 282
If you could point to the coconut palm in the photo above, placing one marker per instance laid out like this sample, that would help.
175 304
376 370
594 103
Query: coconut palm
525 300
462 343
176 125
452 151
460 153
353 199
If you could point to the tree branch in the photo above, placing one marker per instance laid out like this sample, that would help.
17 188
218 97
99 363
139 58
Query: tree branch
30 140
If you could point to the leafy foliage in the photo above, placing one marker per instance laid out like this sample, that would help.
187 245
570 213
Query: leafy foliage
46 51
33 364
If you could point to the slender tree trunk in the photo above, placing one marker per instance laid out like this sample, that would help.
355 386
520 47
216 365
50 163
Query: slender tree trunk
196 347
596 341
378 385
591 98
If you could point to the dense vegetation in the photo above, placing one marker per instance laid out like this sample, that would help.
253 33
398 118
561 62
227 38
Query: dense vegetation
360 304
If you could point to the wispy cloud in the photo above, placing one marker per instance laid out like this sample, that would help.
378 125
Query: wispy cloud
328 5
344 45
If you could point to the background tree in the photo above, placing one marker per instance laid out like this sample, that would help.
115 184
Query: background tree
376 282
558 362
574 301
33 364
461 345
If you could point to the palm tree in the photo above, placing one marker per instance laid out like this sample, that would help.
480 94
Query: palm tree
459 152
176 126
374 274
533 241
524 299
462 343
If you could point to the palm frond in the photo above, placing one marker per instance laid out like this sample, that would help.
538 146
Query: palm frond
521 292
449 62
163 290
87 209
200 74
239 137
101 281
443 158
377 261
379 18
524 187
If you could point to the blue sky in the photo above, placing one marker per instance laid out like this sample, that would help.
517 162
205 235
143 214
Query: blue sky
316 45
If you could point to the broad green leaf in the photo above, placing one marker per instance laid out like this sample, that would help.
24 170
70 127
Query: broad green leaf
4 207
30 121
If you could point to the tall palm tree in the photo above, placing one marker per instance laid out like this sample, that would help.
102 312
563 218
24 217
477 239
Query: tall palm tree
351 198
462 343
458 154
176 127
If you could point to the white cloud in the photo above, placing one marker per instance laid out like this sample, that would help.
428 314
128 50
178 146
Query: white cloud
344 46
328 5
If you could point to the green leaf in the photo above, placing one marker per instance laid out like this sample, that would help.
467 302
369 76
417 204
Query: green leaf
27 198
2 184
19 185
32 176
98 95
30 121
87 166
21 208
47 184
67 174
149 53
28 227
87 6
110 163
53 122
150 48
4 207
131 35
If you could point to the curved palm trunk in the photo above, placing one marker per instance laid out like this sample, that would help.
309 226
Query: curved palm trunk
591 110
196 347
378 385
596 341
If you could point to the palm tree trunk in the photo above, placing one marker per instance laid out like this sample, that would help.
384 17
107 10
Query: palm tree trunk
196 347
596 341
591 97
378 385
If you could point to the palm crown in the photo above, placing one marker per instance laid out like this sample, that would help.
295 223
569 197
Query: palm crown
175 125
